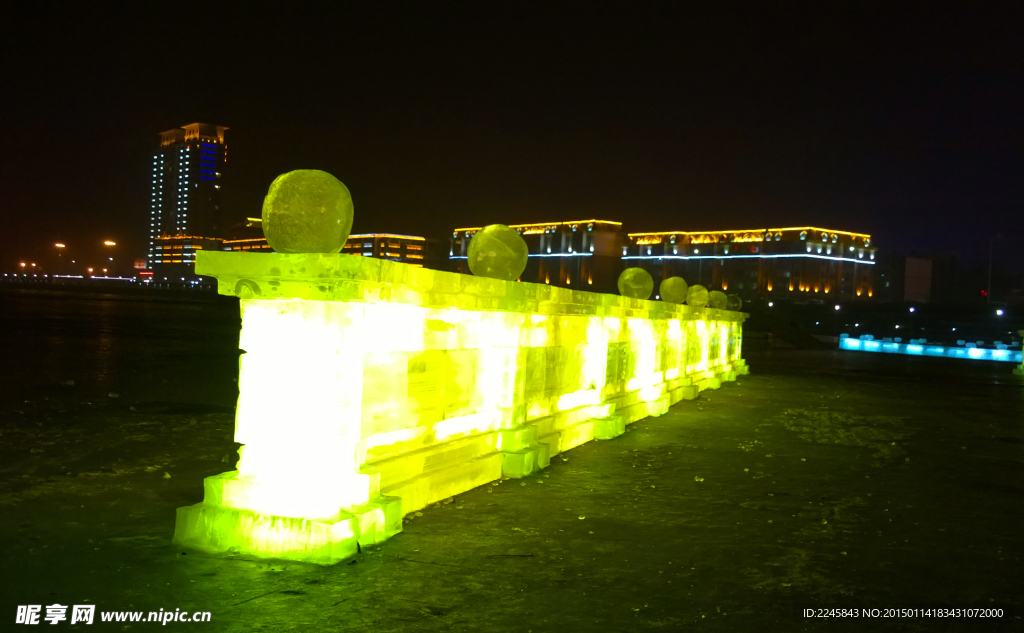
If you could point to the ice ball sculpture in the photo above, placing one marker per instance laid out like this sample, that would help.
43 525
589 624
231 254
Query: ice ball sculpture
636 283
697 296
733 302
673 290
717 299
498 252
307 211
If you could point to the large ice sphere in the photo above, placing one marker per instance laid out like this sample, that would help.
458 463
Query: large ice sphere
733 302
717 299
307 211
498 252
673 290
636 283
697 296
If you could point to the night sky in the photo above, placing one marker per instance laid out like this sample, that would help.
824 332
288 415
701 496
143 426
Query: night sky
906 125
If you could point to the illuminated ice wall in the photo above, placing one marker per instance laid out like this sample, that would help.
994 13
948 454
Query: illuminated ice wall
370 388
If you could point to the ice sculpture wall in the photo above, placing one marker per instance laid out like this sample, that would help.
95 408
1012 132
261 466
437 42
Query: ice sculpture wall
370 388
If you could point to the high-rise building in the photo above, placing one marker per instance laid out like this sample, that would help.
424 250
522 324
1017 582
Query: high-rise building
185 204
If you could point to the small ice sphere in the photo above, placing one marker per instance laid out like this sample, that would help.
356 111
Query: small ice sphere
717 299
697 296
673 290
307 211
498 252
636 283
733 302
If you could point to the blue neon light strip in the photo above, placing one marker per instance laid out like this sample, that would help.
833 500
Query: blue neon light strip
206 178
205 171
538 255
969 353
838 259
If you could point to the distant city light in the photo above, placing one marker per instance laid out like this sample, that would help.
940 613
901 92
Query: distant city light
59 245
897 327
999 313
770 304
912 309
837 306
109 243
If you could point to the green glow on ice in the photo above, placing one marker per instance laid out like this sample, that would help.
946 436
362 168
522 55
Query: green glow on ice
636 283
370 388
717 299
498 252
697 296
673 290
307 211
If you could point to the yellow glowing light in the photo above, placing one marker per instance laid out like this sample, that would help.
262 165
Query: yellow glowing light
829 231
744 235
109 243
579 399
539 227
643 241
405 386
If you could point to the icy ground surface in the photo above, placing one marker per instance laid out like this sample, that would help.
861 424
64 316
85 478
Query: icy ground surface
823 479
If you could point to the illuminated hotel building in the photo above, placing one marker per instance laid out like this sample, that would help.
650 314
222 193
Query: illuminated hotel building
185 204
408 249
794 263
583 254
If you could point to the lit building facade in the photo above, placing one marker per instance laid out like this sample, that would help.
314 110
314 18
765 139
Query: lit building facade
794 263
584 254
185 202
174 256
408 249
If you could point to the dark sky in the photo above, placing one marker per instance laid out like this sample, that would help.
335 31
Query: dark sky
907 124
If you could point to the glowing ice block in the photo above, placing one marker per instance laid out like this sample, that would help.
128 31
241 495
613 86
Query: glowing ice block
673 290
307 211
697 296
499 252
636 283
867 344
371 388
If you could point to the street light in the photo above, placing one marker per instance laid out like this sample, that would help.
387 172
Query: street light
60 246
111 259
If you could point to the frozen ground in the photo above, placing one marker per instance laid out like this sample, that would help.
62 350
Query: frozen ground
823 479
